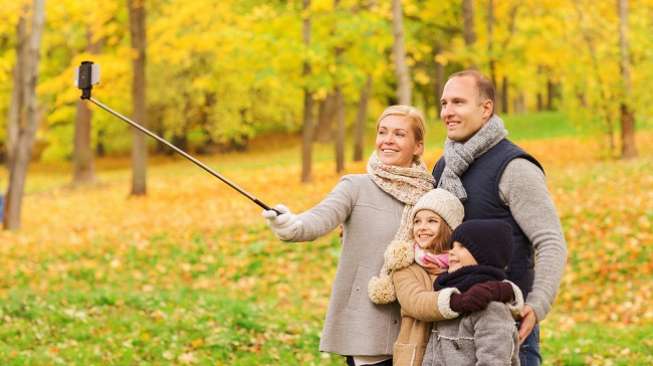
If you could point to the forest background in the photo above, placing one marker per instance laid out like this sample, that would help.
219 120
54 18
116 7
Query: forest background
282 97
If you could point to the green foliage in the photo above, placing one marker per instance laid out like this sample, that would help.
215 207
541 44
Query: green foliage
224 72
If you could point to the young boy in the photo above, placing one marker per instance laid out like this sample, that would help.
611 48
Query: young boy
415 264
481 251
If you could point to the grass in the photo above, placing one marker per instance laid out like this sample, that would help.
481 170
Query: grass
543 125
189 274
590 344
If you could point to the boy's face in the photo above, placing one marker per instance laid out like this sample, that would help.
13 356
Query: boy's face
426 226
459 257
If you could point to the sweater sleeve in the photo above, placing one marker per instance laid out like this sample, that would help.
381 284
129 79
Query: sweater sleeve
495 336
523 188
328 214
416 299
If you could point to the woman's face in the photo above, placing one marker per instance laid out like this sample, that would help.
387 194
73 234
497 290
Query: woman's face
395 142
426 226
459 257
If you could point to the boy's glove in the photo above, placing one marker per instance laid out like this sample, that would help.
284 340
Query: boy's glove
286 225
477 297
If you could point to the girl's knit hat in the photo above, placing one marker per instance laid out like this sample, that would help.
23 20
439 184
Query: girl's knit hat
443 203
401 253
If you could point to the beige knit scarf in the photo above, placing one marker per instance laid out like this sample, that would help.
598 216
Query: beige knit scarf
406 185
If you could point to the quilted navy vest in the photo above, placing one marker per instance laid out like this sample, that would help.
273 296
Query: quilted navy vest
481 181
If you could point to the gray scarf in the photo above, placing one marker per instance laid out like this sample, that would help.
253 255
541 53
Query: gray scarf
459 156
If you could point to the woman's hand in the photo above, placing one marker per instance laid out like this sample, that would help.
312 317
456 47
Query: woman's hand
477 297
286 225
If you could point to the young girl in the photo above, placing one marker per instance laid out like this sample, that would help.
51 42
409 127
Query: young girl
413 266
481 251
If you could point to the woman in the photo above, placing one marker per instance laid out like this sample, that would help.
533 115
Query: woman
371 207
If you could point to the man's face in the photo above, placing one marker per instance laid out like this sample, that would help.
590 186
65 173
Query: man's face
463 110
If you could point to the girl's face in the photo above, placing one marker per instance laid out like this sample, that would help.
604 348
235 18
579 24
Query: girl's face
426 226
395 142
459 257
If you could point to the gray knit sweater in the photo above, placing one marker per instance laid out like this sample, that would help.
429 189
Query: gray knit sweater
523 188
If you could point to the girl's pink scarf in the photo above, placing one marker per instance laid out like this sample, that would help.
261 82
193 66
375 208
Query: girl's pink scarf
424 258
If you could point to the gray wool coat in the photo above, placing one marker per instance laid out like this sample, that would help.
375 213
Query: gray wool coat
354 326
484 338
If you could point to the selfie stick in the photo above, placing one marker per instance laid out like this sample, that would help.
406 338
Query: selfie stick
89 75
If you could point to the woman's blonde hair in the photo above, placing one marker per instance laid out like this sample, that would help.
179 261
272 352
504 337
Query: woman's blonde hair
413 114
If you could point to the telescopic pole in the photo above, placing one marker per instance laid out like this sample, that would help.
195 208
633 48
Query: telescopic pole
85 83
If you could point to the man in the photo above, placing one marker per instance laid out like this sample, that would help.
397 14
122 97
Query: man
496 179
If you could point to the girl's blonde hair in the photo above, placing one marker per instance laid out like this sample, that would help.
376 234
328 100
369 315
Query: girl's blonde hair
413 114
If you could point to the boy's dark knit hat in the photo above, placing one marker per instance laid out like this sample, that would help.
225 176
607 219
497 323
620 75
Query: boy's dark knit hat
489 241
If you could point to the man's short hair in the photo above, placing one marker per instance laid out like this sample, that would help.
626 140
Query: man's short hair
484 85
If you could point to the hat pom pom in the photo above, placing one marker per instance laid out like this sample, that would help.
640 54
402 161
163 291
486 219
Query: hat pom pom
399 254
381 290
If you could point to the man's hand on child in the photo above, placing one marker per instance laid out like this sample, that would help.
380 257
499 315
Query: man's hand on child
528 322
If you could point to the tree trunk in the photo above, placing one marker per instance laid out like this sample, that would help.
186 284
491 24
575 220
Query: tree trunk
361 119
100 150
439 84
340 130
469 34
83 167
607 115
540 102
490 43
426 101
520 103
307 128
29 116
139 148
307 137
339 143
550 94
504 96
399 53
628 146
323 131
16 106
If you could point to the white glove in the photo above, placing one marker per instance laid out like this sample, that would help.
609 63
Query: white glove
286 225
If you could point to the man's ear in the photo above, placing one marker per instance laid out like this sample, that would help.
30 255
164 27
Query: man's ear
488 109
